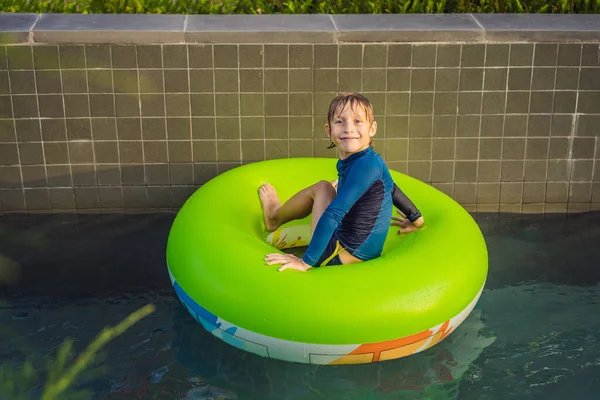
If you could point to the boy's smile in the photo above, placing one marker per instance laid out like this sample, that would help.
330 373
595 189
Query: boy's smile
351 131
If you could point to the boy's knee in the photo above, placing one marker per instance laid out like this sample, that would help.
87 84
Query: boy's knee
325 187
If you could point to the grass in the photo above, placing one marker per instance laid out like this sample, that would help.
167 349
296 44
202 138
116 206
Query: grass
298 6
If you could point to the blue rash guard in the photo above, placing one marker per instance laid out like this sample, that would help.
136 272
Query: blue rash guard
359 216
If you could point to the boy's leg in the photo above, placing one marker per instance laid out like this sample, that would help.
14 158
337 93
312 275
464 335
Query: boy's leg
314 199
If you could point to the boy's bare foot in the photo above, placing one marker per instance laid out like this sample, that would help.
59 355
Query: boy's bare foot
270 204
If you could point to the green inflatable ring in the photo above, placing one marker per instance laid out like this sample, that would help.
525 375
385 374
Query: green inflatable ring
408 299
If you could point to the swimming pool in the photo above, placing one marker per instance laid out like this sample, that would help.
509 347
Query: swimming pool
534 334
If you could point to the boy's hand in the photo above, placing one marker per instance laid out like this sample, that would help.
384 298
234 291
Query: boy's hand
289 261
405 225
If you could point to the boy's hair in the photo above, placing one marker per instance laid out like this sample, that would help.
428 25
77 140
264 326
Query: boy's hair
355 99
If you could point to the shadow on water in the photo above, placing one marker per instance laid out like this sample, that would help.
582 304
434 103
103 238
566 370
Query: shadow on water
534 333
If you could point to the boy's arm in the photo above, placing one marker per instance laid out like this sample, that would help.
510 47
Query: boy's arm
410 211
358 181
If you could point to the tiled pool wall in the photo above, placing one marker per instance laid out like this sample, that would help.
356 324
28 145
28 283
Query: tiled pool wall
132 113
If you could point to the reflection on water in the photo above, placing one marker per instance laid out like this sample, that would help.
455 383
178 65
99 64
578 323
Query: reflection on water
534 334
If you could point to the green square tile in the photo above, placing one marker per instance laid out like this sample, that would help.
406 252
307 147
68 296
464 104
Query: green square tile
559 148
350 55
465 171
301 128
178 105
420 170
445 103
276 104
276 55
253 128
277 149
153 105
204 128
421 103
396 150
301 55
490 148
466 148
178 129
228 128
301 104
48 81
301 80
97 56
79 152
227 105
175 56
512 171
422 80
557 192
201 56
102 129
513 149
122 56
495 79
374 80
558 170
541 102
398 80
543 78
537 148
469 103
226 80
22 82
46 57
582 170
251 56
444 125
37 199
535 171
201 80
489 171
397 103
496 55
149 56
276 127
569 54
251 80
590 55
588 102
467 125
446 80
493 102
521 54
182 174
28 130
253 150
74 81
301 148
132 175
583 148
4 89
511 193
519 78
472 55
350 80
419 149
326 80
442 171
78 129
589 79
5 107
101 81
420 126
545 54
252 104
152 128
396 126
276 80
9 154
517 102
204 173
587 125
203 105
180 152
399 55
50 106
225 56
321 106
515 125
448 55
423 55
374 56
107 152
27 106
155 152
3 60
126 81
130 152
204 150
326 55
564 102
488 193
471 79
539 125
176 81
19 57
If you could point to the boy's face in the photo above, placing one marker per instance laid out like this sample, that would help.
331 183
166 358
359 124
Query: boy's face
350 130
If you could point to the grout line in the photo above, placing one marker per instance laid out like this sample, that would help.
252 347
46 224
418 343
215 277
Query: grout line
501 159
214 96
40 127
112 76
139 97
551 119
191 125
455 136
30 37
526 132
478 138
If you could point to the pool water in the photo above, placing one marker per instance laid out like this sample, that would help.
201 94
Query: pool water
535 333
